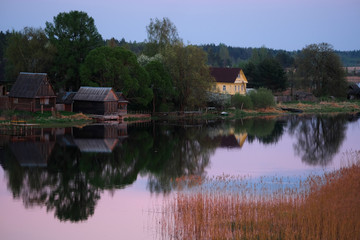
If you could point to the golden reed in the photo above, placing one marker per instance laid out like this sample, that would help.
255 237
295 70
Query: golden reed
226 207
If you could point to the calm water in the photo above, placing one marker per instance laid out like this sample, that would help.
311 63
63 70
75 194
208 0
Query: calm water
104 181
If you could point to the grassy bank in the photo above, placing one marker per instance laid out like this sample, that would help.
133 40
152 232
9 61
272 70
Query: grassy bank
321 207
46 119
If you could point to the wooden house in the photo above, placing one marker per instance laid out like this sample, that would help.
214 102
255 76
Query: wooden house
229 80
64 101
122 103
32 92
96 100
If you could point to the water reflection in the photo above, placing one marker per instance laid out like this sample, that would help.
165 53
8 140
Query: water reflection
318 138
66 170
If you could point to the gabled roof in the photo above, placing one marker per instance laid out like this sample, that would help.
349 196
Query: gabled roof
31 85
225 75
95 94
65 97
121 97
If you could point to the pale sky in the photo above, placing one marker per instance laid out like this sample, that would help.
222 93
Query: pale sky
278 24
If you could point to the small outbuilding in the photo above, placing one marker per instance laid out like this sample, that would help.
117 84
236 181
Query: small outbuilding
32 92
96 100
122 103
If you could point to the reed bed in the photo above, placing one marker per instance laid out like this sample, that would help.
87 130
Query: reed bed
228 207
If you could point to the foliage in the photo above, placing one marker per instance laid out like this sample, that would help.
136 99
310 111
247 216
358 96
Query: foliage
218 100
190 74
161 33
262 98
271 75
160 81
4 39
321 70
117 68
241 101
74 34
28 51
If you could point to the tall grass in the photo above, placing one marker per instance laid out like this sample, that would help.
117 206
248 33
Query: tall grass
319 207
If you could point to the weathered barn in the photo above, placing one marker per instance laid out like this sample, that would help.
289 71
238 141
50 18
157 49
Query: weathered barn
32 92
96 100
122 103
64 101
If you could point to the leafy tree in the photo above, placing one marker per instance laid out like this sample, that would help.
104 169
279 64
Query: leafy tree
160 82
118 68
262 98
28 51
190 74
161 33
285 59
241 101
74 34
321 71
271 75
4 37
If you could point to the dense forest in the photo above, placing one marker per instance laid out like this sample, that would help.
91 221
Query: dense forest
219 55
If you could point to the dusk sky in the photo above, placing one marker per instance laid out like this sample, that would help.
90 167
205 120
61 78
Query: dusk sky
278 24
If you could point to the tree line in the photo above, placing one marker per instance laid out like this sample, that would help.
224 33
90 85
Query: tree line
161 73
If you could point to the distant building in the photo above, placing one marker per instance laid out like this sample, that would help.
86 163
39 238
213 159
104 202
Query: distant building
32 92
229 80
64 101
96 100
122 103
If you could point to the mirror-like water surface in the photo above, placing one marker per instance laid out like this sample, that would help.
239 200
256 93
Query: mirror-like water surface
101 181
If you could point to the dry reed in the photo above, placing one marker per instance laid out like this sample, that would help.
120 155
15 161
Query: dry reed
226 207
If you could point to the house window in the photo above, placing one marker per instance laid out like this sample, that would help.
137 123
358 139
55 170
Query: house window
242 88
224 88
239 75
44 101
16 100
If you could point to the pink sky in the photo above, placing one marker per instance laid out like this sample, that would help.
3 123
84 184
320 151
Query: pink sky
279 24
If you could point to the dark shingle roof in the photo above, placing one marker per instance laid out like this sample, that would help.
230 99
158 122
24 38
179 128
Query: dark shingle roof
225 75
30 85
95 94
65 97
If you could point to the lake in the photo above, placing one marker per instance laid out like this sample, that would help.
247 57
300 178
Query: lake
107 181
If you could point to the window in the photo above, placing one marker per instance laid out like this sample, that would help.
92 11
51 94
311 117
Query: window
242 88
44 101
224 88
16 100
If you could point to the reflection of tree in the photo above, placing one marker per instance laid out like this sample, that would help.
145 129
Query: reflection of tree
318 138
266 131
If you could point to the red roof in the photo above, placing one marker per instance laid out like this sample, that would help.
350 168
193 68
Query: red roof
225 75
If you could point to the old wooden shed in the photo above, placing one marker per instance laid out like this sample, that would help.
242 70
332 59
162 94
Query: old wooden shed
32 92
96 100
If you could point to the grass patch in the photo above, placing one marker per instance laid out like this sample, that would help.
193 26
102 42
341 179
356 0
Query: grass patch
225 207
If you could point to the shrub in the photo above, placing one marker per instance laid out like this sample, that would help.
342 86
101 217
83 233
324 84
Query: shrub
241 101
262 98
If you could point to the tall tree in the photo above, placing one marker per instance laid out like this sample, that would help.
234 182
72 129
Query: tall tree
271 75
161 33
118 68
74 34
28 51
321 70
190 74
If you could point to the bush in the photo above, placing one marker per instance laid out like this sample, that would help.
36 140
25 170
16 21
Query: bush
241 101
262 98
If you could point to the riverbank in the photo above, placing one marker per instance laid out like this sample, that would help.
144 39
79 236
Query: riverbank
65 119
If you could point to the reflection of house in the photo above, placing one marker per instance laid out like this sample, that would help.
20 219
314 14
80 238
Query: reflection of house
64 101
96 100
229 80
106 145
32 154
32 92
233 140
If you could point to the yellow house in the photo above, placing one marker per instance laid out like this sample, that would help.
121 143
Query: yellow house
229 80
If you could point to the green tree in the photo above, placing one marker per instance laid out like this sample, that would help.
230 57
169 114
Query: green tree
160 82
190 75
321 71
74 34
271 75
161 33
118 68
28 51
